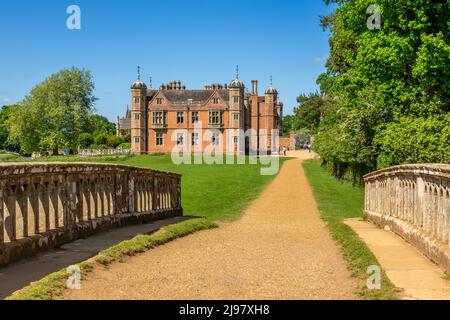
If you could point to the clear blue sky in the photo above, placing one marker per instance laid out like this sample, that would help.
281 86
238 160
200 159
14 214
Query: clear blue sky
198 42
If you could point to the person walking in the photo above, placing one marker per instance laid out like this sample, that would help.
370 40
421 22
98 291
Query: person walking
285 151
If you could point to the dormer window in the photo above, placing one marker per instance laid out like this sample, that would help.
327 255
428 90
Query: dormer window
216 100
159 101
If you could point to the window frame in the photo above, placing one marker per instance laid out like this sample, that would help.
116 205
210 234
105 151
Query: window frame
180 117
159 139
195 139
159 117
215 139
195 116
180 139
215 117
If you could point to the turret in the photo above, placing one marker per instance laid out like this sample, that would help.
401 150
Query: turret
138 116
271 99
236 89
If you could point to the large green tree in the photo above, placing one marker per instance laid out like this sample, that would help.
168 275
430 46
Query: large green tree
55 113
383 80
5 143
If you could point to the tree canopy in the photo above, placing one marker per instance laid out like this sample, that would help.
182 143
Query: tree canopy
388 89
55 113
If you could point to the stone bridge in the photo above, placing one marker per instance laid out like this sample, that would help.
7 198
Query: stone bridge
44 205
414 202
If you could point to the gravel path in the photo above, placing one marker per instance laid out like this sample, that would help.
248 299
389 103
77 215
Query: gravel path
280 249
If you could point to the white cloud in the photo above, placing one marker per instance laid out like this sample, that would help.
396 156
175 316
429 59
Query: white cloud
6 100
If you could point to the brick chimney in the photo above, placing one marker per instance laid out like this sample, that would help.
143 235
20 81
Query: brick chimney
255 87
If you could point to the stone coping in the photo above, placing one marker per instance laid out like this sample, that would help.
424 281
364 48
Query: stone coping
20 168
441 170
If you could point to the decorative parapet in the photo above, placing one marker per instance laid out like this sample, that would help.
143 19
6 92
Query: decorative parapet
414 201
44 205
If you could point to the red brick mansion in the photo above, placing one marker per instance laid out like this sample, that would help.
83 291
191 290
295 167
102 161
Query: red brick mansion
173 116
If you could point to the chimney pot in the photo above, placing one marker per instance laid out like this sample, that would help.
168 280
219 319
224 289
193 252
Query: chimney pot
255 87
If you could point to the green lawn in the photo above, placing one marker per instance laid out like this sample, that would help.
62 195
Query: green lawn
9 157
218 192
337 201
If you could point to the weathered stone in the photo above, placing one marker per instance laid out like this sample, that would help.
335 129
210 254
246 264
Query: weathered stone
414 202
45 205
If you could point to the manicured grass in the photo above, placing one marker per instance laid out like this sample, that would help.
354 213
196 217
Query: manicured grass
340 200
142 243
55 284
218 192
9 157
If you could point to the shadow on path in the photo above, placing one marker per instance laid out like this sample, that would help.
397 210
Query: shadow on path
22 273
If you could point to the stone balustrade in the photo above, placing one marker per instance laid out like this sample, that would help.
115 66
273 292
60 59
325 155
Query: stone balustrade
414 202
44 205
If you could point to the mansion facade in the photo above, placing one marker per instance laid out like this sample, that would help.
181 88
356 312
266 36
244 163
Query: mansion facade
173 117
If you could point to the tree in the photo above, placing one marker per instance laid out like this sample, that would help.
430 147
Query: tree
100 138
383 83
5 144
310 111
114 141
55 113
85 140
100 124
288 124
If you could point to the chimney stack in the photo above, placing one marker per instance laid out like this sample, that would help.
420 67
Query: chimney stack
255 87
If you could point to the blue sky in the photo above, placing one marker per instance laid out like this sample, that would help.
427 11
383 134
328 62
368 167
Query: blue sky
198 42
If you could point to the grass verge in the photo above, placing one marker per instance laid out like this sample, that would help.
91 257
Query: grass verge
55 284
337 201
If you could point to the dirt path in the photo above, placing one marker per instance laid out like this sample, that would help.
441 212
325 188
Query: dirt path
280 249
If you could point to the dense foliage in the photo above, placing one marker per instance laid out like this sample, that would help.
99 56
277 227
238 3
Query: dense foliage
57 114
388 88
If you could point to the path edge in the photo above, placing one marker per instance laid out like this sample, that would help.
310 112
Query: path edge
54 284
356 254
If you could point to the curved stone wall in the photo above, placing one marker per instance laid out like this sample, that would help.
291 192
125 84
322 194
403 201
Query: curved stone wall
414 202
44 205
